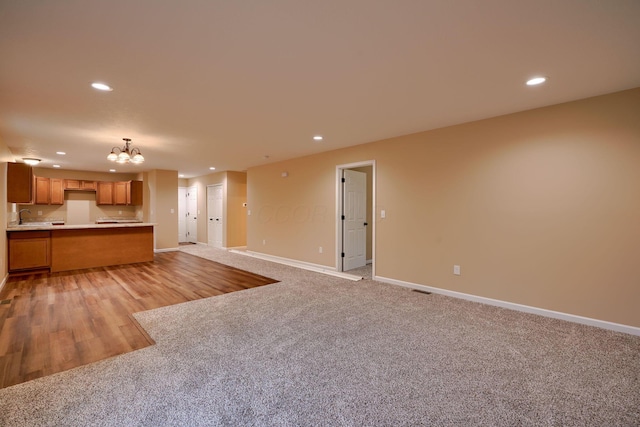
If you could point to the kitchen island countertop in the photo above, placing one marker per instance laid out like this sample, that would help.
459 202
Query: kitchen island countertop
27 227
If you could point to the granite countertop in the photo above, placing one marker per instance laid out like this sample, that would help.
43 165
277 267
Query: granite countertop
32 227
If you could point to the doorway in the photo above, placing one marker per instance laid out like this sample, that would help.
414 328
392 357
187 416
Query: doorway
355 233
215 217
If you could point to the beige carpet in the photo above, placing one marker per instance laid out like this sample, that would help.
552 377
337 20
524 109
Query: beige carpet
320 350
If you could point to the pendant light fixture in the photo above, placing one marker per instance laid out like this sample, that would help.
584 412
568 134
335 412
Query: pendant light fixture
126 154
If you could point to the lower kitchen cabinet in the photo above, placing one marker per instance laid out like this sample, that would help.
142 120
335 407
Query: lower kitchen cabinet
29 250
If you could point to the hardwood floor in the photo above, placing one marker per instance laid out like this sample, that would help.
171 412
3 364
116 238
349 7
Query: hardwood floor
53 322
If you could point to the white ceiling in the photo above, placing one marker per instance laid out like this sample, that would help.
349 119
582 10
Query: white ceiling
225 83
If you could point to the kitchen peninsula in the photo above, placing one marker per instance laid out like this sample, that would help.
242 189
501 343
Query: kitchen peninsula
69 247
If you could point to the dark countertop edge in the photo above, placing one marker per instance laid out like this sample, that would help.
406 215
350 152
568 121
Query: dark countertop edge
80 226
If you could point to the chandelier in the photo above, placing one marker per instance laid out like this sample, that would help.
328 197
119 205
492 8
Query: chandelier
126 154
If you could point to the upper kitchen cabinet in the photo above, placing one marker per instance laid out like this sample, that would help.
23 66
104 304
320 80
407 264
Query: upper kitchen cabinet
79 184
119 193
104 193
49 191
19 183
128 193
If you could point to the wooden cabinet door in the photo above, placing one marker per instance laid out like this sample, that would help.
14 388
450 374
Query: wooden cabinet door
56 192
29 250
88 185
19 183
42 190
72 184
104 193
121 193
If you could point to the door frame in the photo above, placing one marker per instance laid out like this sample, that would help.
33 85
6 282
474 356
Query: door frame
339 210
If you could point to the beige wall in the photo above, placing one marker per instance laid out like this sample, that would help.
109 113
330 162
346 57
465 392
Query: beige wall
234 190
539 208
5 156
236 213
161 206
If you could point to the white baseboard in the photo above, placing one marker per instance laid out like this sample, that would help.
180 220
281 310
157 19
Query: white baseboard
632 330
299 264
166 250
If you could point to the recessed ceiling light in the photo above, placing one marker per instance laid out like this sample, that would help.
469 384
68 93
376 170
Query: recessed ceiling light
180 175
62 153
56 166
31 161
212 168
317 138
536 81
101 86
112 170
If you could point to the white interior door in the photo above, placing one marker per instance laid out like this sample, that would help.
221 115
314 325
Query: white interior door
192 214
214 215
182 214
354 240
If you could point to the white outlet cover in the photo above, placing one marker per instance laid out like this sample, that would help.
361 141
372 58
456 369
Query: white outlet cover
456 270
383 213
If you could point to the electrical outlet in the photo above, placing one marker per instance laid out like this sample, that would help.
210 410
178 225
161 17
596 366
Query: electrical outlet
383 214
320 249
456 270
264 242
119 212
39 213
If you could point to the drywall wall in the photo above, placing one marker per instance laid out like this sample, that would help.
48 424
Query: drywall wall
5 214
538 208
236 214
161 206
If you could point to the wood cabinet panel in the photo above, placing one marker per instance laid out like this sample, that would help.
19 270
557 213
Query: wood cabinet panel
49 191
135 193
123 193
122 196
87 185
29 250
104 193
19 183
99 247
56 194
42 190
79 184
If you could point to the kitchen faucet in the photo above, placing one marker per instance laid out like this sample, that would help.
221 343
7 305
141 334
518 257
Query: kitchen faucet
20 214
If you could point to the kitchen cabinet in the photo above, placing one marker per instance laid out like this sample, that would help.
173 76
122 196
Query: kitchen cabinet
104 193
127 193
56 196
49 191
79 184
29 250
19 183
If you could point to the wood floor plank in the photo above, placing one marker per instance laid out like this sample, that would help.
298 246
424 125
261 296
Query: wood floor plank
58 321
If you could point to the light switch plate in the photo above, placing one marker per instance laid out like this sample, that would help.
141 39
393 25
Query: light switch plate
456 270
